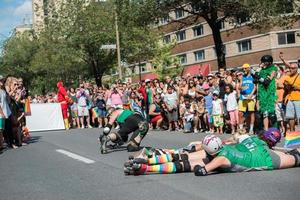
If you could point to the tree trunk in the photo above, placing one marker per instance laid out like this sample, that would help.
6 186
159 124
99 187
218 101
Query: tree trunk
219 46
97 75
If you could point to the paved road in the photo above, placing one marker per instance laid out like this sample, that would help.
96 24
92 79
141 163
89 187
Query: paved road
39 172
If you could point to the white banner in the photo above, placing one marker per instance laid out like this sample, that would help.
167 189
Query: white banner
45 117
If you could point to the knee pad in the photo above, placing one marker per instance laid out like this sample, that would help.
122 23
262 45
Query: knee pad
178 166
184 157
143 128
296 155
176 157
186 165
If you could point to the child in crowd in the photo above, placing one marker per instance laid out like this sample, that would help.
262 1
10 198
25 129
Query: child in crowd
232 107
217 112
208 108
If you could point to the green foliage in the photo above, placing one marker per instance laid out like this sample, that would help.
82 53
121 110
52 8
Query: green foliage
165 63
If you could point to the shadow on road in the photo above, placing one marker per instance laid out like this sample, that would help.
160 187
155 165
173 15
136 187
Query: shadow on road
33 139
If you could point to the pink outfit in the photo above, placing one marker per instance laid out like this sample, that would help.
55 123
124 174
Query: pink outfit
116 99
234 117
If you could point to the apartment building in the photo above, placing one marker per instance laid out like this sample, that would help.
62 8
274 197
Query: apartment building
195 44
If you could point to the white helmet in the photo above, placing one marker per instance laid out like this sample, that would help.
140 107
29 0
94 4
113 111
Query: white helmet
212 144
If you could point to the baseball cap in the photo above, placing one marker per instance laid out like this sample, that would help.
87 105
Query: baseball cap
147 80
246 65
216 92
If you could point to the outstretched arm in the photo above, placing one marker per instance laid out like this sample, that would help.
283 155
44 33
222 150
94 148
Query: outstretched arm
211 166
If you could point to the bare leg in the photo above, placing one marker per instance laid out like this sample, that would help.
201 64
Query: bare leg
286 161
292 124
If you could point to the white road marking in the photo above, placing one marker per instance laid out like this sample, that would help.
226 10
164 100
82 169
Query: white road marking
75 156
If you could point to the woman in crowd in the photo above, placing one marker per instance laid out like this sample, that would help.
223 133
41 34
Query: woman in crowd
155 110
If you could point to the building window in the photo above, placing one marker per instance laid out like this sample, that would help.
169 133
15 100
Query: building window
179 13
165 20
182 59
286 38
167 39
199 55
198 30
180 35
244 45
221 25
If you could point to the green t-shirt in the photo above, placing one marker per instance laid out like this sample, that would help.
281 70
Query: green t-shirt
251 154
124 115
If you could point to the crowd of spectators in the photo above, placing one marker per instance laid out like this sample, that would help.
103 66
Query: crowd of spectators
13 129
224 101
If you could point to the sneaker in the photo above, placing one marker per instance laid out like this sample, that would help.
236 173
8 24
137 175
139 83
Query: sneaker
196 131
82 127
100 126
117 127
89 126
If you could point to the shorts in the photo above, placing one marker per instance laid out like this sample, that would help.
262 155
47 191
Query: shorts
2 123
279 112
218 120
155 119
247 105
83 111
234 117
102 113
172 116
292 110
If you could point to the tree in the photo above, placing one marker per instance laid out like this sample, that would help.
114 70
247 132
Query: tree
18 51
261 13
165 64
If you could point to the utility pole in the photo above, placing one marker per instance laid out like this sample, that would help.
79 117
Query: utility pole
118 45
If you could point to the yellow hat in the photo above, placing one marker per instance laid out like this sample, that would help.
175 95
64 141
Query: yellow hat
246 65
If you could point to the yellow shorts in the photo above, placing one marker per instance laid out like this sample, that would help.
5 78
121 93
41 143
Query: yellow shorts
247 103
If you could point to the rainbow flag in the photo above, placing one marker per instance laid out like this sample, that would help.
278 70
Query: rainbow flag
27 109
95 112
292 140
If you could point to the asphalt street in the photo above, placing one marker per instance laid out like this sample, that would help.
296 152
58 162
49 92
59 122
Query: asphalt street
66 165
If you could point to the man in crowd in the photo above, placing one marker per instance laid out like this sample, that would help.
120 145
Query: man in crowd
267 91
247 97
82 96
63 99
292 87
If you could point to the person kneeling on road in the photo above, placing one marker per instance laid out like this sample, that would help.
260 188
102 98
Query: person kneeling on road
129 122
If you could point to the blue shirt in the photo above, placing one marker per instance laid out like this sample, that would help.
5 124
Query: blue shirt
248 85
208 101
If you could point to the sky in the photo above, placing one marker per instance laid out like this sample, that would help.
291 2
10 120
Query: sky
12 14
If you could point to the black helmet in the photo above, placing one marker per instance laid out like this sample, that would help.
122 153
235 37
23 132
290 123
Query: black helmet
266 58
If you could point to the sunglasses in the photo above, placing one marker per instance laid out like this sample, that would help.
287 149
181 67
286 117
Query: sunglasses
293 67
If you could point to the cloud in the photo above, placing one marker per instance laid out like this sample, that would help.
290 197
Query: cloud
24 9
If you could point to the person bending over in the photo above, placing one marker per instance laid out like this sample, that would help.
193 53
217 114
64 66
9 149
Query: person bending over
129 122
